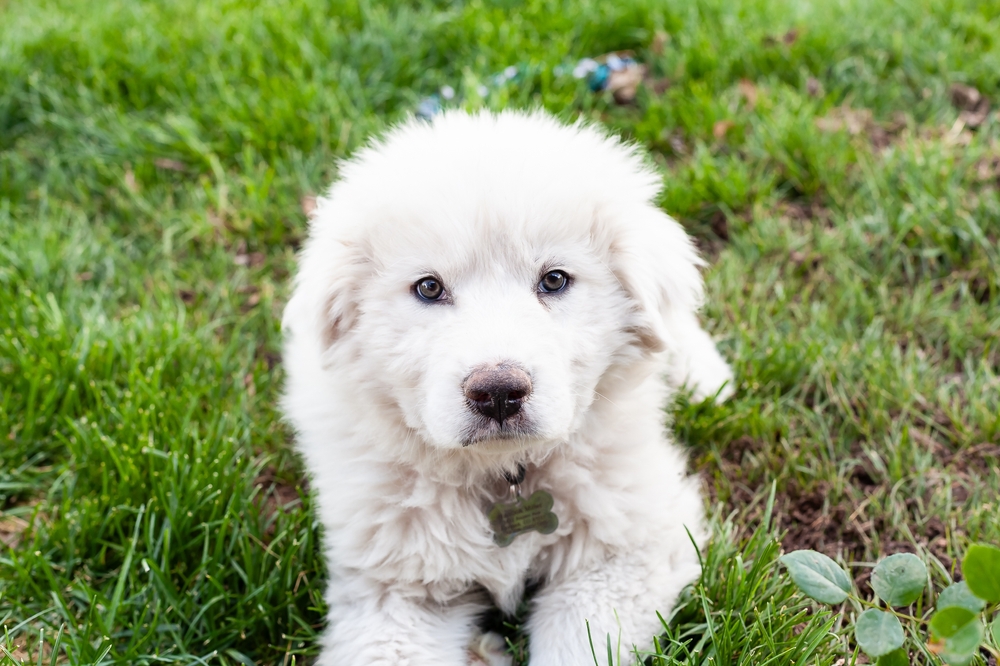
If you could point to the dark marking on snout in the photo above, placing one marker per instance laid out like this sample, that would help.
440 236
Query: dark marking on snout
497 391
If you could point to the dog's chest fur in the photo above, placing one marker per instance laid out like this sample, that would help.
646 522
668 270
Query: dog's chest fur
449 544
437 536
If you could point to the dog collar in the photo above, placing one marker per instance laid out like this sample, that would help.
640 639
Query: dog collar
519 516
515 480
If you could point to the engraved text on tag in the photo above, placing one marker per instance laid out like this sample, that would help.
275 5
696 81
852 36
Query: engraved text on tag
509 519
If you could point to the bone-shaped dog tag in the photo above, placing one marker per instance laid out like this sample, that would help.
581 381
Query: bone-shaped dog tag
510 519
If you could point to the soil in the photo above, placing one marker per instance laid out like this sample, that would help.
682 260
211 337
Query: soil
812 517
277 493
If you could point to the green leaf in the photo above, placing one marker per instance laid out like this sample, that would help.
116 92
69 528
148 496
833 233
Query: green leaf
818 576
958 595
899 579
995 630
957 634
981 569
961 647
949 621
894 658
878 632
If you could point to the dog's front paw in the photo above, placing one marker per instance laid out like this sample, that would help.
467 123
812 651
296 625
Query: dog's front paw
489 649
698 366
713 379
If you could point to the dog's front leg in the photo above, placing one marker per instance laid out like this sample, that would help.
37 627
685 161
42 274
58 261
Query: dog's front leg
398 628
618 600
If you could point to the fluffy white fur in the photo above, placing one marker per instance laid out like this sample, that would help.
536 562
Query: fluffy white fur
488 204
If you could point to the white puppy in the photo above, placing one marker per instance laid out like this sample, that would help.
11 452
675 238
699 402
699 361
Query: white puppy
483 298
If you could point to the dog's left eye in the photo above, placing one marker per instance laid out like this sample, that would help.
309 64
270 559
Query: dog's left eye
429 289
553 282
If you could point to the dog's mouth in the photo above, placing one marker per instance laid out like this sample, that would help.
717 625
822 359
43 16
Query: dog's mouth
483 430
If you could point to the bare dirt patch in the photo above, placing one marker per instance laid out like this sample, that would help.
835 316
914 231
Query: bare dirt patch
811 522
974 107
802 213
861 122
249 259
854 523
11 529
979 458
277 493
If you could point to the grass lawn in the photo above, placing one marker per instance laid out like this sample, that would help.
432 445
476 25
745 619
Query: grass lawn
155 159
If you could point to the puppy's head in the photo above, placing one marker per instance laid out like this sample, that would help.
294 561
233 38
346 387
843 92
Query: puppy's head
478 277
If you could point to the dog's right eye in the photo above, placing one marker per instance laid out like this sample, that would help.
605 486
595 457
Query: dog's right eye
429 289
553 282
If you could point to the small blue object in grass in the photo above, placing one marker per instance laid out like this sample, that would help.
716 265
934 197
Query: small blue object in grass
616 63
429 107
585 68
598 80
598 73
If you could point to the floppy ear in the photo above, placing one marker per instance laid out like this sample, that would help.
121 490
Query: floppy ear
324 303
657 264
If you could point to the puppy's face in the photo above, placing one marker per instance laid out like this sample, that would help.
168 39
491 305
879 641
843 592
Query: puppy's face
490 332
479 277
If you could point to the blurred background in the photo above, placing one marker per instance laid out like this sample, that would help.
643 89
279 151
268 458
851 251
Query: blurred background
837 162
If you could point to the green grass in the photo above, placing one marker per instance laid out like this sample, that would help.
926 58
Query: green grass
153 157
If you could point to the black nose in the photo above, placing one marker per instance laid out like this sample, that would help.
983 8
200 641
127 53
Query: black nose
497 391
